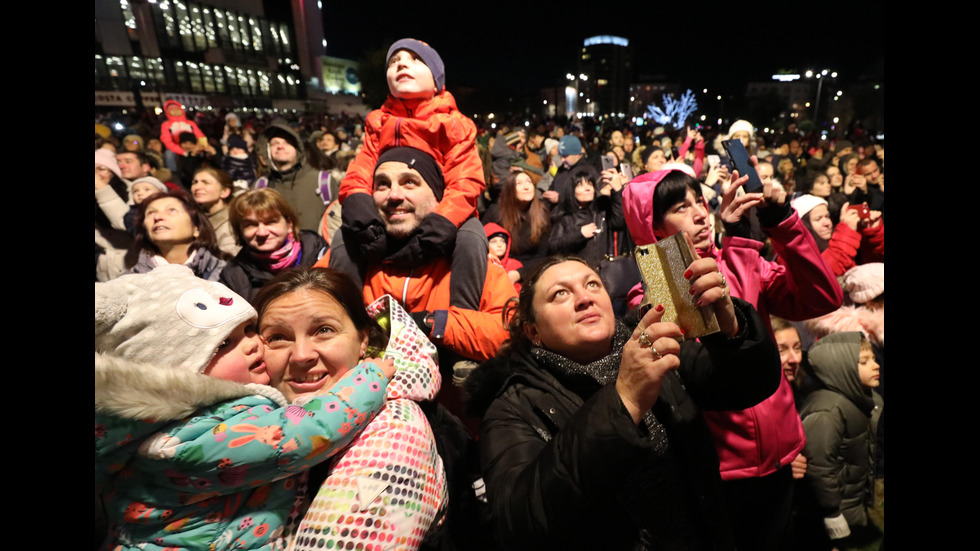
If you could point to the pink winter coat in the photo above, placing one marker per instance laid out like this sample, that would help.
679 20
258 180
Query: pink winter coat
757 441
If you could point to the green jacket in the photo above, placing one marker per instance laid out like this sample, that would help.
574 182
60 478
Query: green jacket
839 424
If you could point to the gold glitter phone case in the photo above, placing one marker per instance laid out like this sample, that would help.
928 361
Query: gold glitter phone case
662 266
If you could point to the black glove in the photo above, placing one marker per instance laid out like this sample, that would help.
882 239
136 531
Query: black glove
420 319
364 231
434 238
772 215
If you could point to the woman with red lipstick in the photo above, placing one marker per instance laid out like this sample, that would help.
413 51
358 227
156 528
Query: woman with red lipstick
171 229
315 329
268 229
591 434
757 446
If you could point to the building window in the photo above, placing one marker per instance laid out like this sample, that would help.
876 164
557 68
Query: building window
256 32
129 19
197 27
194 77
209 34
136 68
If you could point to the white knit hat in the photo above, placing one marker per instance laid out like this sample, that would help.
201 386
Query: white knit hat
152 181
166 315
805 203
741 125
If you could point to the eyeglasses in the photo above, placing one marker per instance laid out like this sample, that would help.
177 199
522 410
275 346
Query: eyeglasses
102 169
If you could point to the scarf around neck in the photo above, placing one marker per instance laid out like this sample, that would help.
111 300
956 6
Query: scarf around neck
602 371
285 257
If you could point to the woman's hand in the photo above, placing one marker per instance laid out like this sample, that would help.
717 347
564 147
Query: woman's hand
874 219
734 206
647 357
612 177
849 217
588 230
710 288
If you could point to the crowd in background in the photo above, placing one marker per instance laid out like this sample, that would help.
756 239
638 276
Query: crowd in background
553 186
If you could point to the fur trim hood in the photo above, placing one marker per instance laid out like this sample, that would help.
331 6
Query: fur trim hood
850 318
132 390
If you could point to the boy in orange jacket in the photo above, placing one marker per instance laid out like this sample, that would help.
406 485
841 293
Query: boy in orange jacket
419 113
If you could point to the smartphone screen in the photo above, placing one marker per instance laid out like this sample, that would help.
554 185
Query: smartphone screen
740 160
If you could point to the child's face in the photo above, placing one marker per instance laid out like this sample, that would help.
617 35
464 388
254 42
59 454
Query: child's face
408 77
498 246
868 368
142 190
239 358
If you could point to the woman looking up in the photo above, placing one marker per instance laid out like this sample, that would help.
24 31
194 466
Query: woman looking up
591 434
172 230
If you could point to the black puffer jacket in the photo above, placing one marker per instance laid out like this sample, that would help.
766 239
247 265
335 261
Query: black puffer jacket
245 277
566 468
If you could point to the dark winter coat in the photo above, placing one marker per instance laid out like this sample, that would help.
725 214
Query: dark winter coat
244 276
839 430
567 468
606 211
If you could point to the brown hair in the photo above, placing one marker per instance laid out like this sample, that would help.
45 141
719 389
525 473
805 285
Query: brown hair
332 283
513 215
265 203
520 310
221 176
206 238
779 324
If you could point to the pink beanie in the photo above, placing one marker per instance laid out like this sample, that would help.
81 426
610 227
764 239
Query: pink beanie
107 159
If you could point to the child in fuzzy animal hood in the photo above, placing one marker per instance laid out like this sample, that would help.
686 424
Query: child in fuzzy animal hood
192 449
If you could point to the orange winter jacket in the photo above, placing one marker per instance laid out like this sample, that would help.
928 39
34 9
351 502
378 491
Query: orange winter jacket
434 126
474 334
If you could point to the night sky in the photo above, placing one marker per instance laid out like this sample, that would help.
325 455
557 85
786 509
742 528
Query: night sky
523 46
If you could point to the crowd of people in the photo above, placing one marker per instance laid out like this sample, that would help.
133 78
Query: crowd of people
279 303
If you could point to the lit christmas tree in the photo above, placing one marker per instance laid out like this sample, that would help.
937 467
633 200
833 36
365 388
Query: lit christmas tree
675 112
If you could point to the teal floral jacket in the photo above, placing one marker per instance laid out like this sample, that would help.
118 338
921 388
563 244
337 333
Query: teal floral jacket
186 461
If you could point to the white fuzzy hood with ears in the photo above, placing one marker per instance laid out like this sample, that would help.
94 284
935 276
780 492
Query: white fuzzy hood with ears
139 391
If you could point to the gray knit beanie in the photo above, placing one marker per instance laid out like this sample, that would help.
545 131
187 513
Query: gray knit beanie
166 315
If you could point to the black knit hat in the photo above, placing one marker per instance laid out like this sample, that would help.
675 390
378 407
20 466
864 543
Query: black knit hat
417 160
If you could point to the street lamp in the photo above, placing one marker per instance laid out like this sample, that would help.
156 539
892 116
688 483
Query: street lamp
820 78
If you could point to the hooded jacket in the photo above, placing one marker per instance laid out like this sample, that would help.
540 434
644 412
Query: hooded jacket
566 467
187 461
411 469
839 427
174 126
436 127
759 440
300 183
508 263
605 211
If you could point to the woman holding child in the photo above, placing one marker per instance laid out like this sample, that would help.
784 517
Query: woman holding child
244 447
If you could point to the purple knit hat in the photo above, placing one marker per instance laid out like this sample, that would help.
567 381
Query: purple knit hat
429 56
